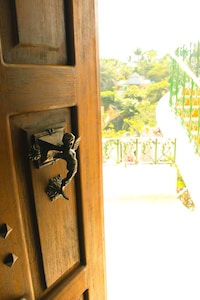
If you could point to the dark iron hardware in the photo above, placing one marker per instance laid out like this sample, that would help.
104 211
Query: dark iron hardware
49 146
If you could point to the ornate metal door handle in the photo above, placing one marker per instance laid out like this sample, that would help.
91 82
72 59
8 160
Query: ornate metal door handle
49 146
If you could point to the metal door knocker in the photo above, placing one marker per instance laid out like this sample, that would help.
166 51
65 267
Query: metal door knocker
49 146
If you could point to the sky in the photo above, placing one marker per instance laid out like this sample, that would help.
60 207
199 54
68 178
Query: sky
147 24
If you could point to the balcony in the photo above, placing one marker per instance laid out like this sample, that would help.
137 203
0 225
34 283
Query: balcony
152 240
178 117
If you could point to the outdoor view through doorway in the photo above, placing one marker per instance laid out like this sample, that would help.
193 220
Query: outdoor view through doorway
152 239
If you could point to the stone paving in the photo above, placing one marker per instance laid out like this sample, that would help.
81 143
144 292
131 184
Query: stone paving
152 247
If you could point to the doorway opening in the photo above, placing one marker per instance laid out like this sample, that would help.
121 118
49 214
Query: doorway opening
148 230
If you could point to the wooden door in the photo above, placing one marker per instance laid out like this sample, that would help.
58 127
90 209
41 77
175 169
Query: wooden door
49 79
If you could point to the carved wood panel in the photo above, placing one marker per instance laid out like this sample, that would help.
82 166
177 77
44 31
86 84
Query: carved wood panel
55 225
49 40
57 248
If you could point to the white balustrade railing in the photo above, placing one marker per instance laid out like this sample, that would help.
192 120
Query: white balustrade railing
134 150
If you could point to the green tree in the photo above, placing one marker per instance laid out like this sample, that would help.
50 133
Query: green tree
135 106
108 98
155 91
145 62
111 71
138 52
111 107
128 110
107 78
146 115
109 115
159 69
134 92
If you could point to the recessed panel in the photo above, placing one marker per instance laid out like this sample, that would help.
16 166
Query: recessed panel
57 222
36 32
39 24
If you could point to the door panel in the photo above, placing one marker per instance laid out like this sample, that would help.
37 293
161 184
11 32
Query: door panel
37 32
57 221
49 79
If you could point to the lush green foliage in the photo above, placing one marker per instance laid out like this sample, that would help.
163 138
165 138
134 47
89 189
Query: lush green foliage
127 108
134 92
111 71
156 90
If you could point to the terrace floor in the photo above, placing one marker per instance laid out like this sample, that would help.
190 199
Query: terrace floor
152 240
